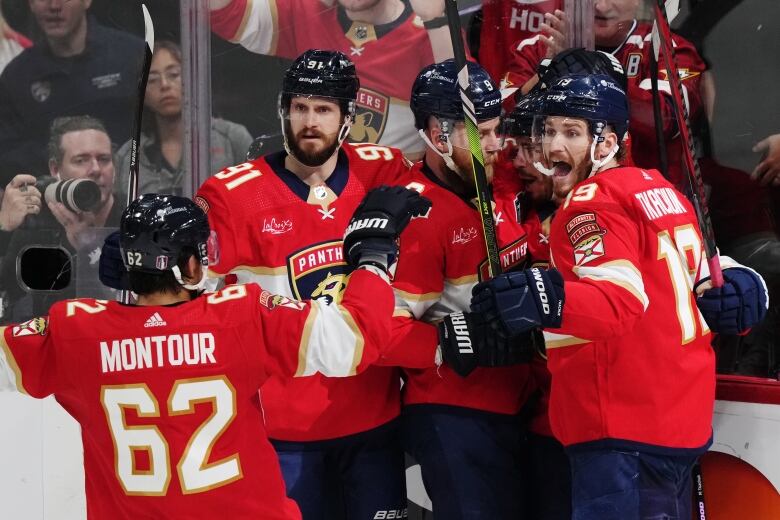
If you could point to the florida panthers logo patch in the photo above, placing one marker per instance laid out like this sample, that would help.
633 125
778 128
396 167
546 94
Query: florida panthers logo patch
370 117
589 249
30 328
318 271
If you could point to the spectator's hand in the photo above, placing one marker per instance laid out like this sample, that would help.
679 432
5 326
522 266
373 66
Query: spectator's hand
74 223
553 33
428 9
767 173
21 198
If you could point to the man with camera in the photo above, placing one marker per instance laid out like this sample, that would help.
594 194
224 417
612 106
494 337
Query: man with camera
63 213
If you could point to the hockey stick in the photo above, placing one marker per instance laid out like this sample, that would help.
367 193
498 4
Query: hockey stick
135 138
662 39
472 133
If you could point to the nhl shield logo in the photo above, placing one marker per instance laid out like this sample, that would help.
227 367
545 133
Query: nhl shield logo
318 271
40 90
370 116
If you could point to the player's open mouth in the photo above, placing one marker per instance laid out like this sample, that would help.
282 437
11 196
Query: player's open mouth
561 169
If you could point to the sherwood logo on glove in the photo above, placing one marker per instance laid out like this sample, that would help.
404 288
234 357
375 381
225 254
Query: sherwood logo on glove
372 223
541 290
462 336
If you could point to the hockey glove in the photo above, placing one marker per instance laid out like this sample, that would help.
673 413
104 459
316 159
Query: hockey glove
468 342
112 270
520 301
372 235
738 306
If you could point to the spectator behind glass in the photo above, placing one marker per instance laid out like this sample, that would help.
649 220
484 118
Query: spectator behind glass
388 40
78 67
79 148
160 157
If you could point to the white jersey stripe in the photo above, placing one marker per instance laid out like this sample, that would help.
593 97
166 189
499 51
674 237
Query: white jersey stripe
10 376
619 272
331 344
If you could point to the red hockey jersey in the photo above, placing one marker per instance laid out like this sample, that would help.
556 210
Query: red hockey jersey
631 362
442 257
387 57
506 22
274 229
167 395
634 54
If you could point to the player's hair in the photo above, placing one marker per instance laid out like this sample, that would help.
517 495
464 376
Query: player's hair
143 282
64 125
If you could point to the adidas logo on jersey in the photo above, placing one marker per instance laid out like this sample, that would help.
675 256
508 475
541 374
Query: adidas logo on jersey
155 320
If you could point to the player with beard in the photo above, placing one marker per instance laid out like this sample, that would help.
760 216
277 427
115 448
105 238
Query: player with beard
628 339
460 421
279 220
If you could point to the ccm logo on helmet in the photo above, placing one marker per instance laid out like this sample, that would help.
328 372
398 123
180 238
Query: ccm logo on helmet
370 223
541 290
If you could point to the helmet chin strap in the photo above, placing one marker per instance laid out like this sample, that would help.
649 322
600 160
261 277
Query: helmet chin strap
598 163
446 156
190 287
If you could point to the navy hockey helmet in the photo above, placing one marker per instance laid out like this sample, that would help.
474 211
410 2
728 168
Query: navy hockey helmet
321 73
435 93
519 122
596 98
156 230
580 61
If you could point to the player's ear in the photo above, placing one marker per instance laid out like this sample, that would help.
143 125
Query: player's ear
607 145
193 270
436 135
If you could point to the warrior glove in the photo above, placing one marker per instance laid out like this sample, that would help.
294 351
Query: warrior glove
372 235
466 342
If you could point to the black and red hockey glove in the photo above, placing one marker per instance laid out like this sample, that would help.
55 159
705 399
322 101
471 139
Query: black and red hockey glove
372 235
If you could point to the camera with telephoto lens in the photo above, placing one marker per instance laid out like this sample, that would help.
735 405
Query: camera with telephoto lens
76 195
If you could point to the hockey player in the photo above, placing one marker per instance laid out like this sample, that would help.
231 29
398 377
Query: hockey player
279 220
389 41
464 432
617 32
166 390
633 374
